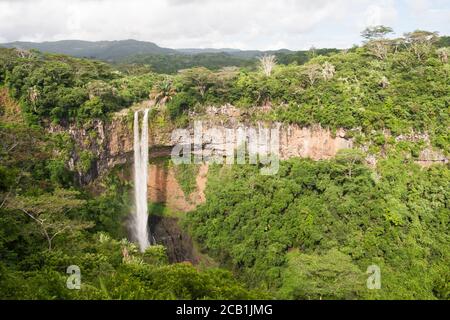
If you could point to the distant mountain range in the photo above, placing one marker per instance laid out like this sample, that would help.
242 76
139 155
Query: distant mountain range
162 60
119 50
102 50
134 51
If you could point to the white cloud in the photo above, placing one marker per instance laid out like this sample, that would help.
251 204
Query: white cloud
382 13
249 24
433 15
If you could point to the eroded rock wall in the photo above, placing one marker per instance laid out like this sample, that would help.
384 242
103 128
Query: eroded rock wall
163 187
315 143
111 144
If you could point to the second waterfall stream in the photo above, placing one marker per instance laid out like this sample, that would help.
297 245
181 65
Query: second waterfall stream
140 218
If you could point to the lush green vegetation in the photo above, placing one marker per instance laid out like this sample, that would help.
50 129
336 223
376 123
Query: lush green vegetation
48 223
312 230
405 90
186 176
308 232
386 85
396 86
172 63
64 89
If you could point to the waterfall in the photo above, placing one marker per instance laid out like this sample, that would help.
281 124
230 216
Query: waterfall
140 230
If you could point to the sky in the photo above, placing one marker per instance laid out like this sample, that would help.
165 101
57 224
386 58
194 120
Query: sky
243 24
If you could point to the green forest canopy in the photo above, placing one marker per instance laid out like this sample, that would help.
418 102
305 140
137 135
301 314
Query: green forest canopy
302 234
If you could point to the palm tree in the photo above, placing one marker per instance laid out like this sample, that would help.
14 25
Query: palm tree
162 92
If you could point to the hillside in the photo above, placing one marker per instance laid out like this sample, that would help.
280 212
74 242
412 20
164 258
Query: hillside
363 177
120 49
129 53
101 50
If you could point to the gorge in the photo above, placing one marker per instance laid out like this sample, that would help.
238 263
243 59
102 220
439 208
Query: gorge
88 177
111 144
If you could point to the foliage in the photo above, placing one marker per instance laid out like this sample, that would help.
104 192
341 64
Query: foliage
398 221
107 274
50 211
308 232
109 209
180 103
65 89
398 85
171 64
376 32
45 228
186 175
328 276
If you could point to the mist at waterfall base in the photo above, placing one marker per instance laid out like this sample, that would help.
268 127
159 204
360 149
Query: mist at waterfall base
140 217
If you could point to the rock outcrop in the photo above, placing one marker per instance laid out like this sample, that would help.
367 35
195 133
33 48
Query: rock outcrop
163 187
315 143
111 144
428 157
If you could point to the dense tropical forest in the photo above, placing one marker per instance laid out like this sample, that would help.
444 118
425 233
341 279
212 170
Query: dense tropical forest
308 232
141 56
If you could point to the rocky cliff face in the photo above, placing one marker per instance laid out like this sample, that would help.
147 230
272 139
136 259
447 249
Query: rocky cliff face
111 144
315 143
427 156
163 187
108 143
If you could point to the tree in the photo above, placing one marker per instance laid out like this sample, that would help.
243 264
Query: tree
93 108
377 43
201 79
376 32
49 212
443 54
349 161
312 52
180 103
163 91
421 42
328 276
266 64
397 43
313 72
328 71
100 89
223 81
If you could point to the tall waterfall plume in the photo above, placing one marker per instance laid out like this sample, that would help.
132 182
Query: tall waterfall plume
140 229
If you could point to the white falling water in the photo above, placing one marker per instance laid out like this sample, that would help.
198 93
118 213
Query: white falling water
140 229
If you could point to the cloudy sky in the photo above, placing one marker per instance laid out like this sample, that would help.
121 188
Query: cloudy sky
244 24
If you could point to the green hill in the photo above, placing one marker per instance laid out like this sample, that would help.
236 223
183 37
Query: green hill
101 50
310 231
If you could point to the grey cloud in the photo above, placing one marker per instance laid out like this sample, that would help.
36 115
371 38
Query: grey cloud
259 24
